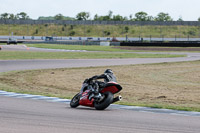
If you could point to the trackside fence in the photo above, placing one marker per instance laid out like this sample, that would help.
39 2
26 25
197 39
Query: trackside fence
89 22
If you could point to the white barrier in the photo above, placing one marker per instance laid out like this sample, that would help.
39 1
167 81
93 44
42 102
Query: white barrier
104 43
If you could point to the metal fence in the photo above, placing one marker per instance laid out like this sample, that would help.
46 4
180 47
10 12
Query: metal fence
72 42
89 22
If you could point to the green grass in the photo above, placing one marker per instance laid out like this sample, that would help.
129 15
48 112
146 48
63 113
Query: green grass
161 106
12 55
142 84
77 47
114 48
100 30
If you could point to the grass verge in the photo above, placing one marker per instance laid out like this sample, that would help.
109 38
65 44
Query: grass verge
100 30
12 55
164 85
116 48
78 47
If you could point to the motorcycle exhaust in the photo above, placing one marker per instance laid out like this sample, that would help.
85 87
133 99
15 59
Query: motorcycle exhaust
118 98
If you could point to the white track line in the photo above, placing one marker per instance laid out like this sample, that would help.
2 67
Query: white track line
115 106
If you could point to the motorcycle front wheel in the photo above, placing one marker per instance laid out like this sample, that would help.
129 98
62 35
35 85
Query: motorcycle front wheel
105 102
75 101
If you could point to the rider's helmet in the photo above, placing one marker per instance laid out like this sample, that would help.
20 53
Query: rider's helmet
108 71
109 76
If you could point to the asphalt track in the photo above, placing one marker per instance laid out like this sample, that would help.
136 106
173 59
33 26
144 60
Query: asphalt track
34 116
30 116
13 65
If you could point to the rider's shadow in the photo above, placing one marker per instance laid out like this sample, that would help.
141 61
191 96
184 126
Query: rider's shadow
88 108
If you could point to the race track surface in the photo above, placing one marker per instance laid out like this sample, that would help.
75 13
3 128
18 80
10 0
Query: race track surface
19 115
34 116
12 65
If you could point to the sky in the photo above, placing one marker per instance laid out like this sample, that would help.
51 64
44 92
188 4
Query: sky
188 10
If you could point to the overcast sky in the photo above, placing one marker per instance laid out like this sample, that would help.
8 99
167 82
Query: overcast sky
189 10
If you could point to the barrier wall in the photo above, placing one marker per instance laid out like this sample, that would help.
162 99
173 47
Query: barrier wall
72 42
89 22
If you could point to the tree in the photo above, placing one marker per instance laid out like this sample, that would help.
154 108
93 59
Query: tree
118 18
163 17
12 16
141 16
180 19
110 15
4 16
199 19
96 17
59 17
46 18
101 18
22 15
83 16
150 18
104 18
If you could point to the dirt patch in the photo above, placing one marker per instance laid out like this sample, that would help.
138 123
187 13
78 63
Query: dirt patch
164 85
159 48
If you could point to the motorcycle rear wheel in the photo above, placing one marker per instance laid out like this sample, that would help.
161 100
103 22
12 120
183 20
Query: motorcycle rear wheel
105 102
75 101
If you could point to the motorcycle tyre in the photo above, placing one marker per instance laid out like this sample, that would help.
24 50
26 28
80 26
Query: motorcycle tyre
75 104
106 102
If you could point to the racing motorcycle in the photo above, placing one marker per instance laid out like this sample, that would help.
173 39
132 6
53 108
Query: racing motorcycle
100 101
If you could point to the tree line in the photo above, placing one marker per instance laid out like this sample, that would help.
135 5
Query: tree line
20 16
139 16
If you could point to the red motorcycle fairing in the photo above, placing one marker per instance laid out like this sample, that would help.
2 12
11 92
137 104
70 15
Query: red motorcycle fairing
84 99
113 87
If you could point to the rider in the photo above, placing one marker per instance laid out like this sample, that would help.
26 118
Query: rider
107 76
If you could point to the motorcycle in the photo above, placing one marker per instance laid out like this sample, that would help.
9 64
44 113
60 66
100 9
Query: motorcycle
100 101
